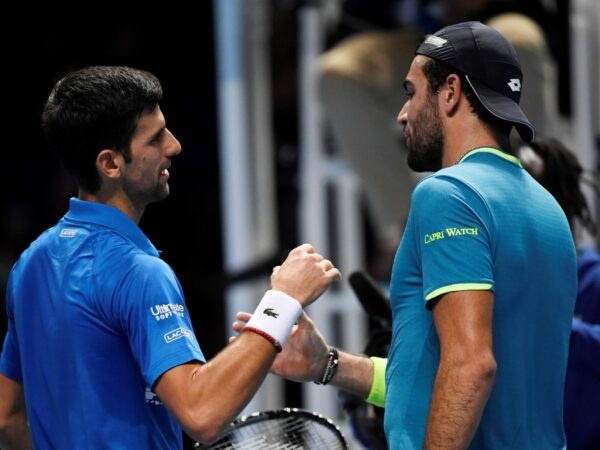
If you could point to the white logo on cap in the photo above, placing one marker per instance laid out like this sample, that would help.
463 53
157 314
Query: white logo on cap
514 84
435 40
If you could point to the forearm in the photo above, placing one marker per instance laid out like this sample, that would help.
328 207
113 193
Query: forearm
14 433
460 393
244 364
205 398
229 381
354 374
14 428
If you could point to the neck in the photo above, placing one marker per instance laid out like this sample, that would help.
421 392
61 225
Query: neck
120 202
469 135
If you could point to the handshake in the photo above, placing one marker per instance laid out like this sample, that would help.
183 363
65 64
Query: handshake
306 356
295 284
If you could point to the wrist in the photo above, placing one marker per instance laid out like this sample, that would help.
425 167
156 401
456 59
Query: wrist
333 360
377 393
274 317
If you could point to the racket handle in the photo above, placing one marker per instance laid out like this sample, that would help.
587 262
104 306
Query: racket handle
371 297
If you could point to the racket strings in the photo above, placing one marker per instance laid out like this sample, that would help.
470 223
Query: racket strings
282 433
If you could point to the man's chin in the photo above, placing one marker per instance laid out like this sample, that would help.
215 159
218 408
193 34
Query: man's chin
162 194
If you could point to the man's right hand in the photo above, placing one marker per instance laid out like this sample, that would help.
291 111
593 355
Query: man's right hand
304 356
304 275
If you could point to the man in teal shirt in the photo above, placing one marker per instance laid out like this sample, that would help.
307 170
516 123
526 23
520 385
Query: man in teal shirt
485 278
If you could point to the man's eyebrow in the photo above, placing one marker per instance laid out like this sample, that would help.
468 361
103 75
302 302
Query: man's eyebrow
152 132
158 132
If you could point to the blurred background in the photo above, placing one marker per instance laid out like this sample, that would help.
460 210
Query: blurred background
249 94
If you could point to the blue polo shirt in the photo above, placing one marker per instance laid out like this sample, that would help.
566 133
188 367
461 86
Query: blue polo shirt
95 317
485 224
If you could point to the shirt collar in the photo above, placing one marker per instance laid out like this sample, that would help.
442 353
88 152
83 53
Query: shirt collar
109 217
494 151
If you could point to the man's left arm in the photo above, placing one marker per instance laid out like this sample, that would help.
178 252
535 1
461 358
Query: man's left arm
14 430
466 371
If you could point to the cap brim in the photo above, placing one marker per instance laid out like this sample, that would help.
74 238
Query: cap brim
503 108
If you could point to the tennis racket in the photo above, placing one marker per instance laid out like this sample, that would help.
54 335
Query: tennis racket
281 429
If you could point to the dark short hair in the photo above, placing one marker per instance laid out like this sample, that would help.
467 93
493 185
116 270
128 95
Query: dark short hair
436 72
96 108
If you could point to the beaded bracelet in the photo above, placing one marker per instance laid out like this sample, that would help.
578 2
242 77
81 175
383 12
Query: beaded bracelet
332 364
267 336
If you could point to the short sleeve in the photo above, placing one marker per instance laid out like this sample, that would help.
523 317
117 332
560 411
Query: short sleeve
151 309
10 360
453 230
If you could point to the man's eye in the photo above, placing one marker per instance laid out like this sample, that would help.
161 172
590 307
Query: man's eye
156 139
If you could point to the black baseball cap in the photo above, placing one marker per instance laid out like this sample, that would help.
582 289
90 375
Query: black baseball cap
490 65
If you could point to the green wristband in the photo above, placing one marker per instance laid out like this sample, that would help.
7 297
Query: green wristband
377 395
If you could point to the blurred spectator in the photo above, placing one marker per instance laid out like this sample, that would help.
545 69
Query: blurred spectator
559 171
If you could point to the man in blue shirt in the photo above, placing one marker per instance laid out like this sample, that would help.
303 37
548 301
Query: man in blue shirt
485 279
100 351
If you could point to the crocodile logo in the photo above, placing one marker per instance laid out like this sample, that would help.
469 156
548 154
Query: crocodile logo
271 312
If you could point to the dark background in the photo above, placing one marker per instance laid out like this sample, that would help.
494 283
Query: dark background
176 43
177 46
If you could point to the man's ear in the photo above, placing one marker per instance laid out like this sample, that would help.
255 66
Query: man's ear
109 163
451 93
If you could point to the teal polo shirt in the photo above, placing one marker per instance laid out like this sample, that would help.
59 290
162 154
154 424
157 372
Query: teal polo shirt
485 223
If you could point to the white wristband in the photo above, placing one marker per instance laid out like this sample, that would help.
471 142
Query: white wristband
275 316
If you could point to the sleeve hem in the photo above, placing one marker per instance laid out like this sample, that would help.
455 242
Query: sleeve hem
458 287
